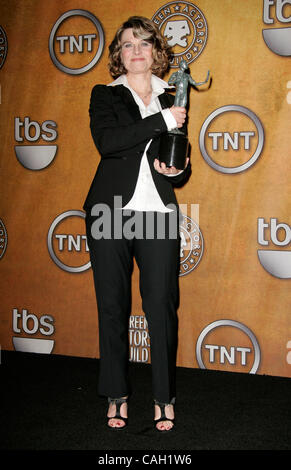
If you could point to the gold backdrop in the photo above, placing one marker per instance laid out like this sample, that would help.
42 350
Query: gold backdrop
234 311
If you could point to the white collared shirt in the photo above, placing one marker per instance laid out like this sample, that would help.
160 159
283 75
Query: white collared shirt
146 196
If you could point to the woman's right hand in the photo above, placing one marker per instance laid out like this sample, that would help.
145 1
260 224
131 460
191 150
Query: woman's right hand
179 114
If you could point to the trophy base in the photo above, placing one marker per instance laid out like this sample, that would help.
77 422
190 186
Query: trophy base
173 149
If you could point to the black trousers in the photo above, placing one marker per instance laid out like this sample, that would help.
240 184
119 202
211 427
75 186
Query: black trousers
112 264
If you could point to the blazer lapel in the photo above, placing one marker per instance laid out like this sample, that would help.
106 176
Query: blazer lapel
133 109
124 93
128 99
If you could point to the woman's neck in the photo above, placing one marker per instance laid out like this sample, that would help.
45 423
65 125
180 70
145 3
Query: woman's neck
140 83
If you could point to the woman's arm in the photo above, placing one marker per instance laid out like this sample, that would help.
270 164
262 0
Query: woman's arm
109 136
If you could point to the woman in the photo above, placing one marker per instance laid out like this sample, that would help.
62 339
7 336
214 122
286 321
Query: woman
126 119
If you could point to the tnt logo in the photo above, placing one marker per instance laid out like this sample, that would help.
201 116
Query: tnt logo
276 262
34 157
67 242
228 140
228 345
76 42
278 40
231 139
80 44
30 324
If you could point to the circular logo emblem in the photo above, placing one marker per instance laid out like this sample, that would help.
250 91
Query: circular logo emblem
225 141
191 246
243 350
3 239
3 46
185 28
66 248
277 39
76 42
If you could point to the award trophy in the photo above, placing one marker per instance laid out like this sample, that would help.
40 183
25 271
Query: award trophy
174 144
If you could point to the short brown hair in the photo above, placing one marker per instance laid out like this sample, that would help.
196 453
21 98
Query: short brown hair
143 28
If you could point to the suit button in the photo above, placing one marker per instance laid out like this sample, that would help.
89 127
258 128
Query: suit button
124 158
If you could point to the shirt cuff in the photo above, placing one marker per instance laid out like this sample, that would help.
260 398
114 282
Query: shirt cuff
175 174
169 119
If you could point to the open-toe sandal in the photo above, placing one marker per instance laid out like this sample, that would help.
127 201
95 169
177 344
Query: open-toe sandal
118 402
163 415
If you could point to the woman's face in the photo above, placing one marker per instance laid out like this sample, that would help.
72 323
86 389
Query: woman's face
136 53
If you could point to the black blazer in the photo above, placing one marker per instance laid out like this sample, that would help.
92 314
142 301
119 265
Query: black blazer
120 135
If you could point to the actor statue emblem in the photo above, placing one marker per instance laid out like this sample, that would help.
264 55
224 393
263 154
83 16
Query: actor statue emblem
174 144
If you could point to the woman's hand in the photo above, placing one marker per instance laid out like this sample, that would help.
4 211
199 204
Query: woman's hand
179 114
161 167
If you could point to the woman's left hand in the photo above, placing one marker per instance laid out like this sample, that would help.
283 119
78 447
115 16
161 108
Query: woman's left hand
161 167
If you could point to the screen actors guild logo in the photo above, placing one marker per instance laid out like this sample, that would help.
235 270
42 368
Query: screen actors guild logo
191 245
139 340
3 46
3 239
185 28
176 32
74 53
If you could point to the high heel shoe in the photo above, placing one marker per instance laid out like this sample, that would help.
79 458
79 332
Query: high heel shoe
163 415
118 402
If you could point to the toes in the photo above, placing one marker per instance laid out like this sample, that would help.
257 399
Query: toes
116 424
164 425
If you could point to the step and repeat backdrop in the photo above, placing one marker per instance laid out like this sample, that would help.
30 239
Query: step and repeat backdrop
235 257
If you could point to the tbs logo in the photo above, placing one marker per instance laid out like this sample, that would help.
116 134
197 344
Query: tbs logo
278 40
276 262
35 157
30 324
